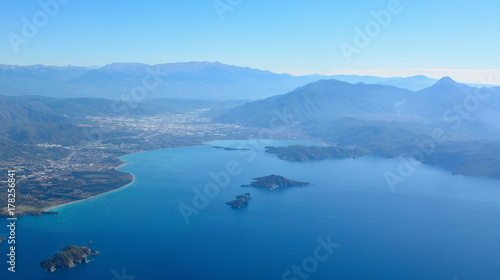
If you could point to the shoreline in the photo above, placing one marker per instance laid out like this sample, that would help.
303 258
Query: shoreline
206 143
50 208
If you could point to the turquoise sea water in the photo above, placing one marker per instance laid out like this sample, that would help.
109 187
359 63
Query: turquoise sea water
433 226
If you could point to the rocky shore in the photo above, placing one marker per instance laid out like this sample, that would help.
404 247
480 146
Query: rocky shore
69 257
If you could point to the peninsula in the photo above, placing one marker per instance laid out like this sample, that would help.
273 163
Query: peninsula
272 182
69 257
303 153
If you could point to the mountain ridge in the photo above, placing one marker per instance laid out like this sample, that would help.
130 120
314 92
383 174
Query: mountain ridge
193 80
326 100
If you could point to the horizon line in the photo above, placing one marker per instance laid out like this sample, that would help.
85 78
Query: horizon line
466 75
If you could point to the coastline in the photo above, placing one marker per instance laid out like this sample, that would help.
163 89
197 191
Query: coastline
205 143
50 208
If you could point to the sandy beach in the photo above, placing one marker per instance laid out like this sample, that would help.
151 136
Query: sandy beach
50 208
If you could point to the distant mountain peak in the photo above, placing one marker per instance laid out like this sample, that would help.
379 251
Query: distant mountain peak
420 77
446 81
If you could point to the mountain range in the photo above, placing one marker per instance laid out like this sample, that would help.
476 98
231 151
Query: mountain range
458 124
185 80
328 100
381 119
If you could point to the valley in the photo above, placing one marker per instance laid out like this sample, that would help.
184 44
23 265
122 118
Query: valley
60 173
67 149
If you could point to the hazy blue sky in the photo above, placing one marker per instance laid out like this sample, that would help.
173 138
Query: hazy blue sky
295 36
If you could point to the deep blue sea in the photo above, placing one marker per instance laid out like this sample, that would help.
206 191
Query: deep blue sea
432 226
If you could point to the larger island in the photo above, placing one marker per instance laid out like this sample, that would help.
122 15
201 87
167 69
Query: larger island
272 182
69 257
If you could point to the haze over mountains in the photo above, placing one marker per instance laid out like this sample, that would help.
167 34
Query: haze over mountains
328 100
379 118
389 121
36 119
186 80
323 101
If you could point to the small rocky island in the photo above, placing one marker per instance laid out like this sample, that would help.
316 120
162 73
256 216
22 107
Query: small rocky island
272 182
69 257
241 201
230 149
1 239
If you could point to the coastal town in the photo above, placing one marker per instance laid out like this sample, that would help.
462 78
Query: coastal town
59 174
